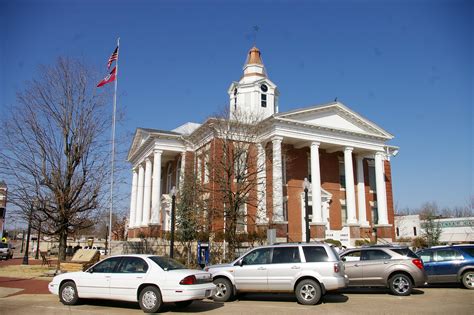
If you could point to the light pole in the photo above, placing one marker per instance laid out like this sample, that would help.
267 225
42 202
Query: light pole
25 257
306 185
173 205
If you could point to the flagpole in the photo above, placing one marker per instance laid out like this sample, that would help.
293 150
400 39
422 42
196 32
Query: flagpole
113 150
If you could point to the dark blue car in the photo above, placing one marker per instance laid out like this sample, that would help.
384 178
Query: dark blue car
449 264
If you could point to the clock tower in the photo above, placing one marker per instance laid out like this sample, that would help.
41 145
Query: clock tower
254 96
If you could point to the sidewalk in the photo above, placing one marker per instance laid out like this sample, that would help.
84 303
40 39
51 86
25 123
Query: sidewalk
22 286
13 285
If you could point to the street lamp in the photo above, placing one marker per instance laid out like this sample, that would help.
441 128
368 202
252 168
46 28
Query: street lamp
374 233
306 185
173 205
25 257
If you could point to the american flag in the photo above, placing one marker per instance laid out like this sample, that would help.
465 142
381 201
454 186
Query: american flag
113 57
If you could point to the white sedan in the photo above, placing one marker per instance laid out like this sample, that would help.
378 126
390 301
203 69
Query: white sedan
150 280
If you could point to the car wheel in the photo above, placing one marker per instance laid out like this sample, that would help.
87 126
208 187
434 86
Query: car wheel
223 290
68 293
468 279
308 292
183 303
400 284
150 299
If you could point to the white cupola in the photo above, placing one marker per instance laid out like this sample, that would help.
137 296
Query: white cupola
254 95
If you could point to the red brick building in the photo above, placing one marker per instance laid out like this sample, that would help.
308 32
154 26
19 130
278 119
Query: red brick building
344 156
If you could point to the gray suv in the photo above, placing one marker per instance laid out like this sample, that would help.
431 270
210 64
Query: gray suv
397 268
309 270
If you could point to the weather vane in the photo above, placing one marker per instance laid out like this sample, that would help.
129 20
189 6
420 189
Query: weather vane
255 29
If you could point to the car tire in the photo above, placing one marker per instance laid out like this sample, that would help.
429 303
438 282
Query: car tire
467 279
68 293
223 291
183 304
150 299
308 292
400 284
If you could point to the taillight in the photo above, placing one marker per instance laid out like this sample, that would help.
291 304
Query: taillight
418 262
188 280
336 268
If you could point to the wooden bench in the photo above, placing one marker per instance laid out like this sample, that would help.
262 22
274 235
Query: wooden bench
45 260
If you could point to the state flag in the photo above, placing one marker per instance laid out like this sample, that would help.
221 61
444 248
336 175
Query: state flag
109 78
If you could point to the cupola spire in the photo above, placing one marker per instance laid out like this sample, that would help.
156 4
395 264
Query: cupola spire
253 65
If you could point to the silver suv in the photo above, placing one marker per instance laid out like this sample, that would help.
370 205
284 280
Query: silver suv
397 268
308 270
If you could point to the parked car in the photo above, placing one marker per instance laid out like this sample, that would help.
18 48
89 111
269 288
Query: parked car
150 280
396 268
307 270
6 251
449 264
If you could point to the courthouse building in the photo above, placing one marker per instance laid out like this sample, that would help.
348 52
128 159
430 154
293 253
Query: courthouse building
345 157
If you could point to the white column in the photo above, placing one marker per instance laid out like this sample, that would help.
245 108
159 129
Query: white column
316 184
350 190
156 188
381 189
147 193
261 186
139 209
277 180
361 192
133 199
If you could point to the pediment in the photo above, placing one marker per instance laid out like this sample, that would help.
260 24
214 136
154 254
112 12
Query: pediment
138 139
335 116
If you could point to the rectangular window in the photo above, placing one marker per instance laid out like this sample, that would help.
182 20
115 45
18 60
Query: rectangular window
375 214
240 164
342 174
315 253
343 212
283 169
372 177
242 219
286 255
199 168
206 168
263 98
414 230
398 232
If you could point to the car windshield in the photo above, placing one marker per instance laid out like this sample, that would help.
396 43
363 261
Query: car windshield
167 263
405 252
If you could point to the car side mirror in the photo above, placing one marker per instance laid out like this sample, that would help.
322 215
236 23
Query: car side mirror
343 258
240 262
90 270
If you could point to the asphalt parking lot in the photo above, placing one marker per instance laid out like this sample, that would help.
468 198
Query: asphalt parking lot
441 300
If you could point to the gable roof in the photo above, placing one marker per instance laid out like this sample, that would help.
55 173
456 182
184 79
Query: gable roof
334 115
143 134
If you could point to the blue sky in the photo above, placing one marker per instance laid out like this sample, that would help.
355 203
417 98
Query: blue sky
406 65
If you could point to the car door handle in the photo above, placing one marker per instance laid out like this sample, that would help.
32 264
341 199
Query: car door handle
356 265
139 277
261 268
385 262
107 277
295 267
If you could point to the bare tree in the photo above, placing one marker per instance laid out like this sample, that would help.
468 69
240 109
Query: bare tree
236 173
429 213
56 148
